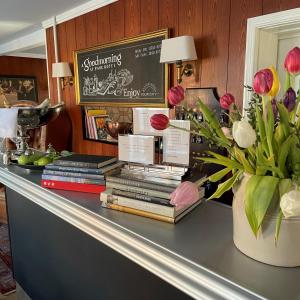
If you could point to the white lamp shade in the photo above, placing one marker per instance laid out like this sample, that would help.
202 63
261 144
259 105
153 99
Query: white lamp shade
61 69
178 48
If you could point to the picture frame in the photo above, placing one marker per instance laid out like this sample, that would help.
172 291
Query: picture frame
18 88
125 73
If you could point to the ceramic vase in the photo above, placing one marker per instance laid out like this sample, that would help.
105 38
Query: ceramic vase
284 253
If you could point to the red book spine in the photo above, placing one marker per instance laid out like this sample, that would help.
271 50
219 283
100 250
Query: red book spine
73 186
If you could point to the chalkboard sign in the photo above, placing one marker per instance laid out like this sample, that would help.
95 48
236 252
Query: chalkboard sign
123 73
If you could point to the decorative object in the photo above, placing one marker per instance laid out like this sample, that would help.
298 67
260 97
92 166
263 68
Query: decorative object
14 88
177 50
123 73
263 167
115 128
62 71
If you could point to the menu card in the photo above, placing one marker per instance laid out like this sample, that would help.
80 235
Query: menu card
136 148
176 143
141 120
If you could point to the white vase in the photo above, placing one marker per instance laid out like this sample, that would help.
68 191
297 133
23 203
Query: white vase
286 253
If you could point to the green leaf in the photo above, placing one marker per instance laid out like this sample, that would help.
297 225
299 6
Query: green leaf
283 154
219 175
284 119
259 194
261 129
226 186
278 224
229 164
240 156
269 131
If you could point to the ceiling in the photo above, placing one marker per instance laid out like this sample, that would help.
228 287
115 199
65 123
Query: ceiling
21 17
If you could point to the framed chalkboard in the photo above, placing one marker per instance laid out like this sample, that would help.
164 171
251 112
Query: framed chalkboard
123 73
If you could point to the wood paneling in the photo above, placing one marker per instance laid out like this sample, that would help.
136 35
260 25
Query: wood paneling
21 66
241 10
218 26
149 15
215 40
132 17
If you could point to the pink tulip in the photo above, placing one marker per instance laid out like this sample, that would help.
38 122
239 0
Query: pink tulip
263 81
159 121
226 101
185 194
175 95
292 61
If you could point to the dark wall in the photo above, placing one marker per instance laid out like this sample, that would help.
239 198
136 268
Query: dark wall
218 26
23 66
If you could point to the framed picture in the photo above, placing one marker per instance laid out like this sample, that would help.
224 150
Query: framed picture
15 88
123 73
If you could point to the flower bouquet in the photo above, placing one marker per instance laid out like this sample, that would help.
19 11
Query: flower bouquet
263 162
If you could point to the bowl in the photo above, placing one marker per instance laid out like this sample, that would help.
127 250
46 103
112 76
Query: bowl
115 128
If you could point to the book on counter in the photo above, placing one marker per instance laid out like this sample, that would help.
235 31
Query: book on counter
140 183
103 170
144 209
85 161
73 179
73 186
73 174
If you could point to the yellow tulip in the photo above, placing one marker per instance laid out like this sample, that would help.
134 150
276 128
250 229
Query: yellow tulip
276 84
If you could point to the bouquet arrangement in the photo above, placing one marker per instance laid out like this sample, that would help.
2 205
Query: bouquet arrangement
264 144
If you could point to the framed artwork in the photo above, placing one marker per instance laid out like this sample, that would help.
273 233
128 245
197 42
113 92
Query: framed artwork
18 88
123 73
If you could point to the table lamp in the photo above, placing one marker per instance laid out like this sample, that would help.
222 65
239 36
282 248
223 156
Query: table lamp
62 70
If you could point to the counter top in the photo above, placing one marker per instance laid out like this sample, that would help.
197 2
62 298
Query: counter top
197 255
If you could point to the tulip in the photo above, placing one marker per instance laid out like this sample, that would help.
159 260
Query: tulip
292 61
289 100
290 204
159 121
185 194
263 81
243 134
175 95
276 83
226 101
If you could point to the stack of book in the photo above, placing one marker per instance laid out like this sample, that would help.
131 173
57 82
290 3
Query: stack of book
78 172
141 193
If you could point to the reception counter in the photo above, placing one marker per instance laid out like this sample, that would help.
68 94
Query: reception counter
66 246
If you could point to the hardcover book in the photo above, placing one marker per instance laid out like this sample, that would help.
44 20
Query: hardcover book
168 211
73 174
73 179
139 183
102 170
85 161
73 186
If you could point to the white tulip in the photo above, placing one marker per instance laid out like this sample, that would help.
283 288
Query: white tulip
290 204
243 134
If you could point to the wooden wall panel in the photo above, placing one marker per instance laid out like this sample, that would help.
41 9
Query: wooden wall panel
241 10
103 25
117 20
149 15
132 17
192 25
21 66
218 26
215 44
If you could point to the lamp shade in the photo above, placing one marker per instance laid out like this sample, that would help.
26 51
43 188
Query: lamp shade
178 48
61 69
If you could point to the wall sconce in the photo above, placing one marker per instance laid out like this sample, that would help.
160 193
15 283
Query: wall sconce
177 50
62 71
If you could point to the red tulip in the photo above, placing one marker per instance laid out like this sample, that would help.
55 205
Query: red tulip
226 100
175 95
185 194
159 121
263 81
292 61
